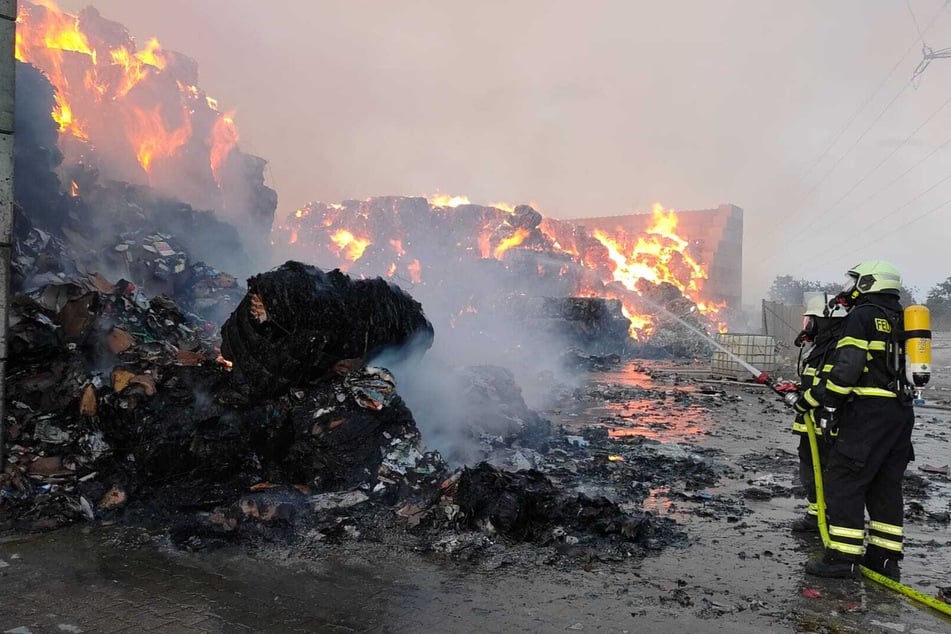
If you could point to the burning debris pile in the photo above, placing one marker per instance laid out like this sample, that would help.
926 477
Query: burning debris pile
138 116
127 402
121 408
474 265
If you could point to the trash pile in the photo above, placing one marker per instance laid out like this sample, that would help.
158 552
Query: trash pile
127 402
122 408
550 278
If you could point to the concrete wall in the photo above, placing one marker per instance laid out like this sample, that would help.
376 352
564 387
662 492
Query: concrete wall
8 15
716 242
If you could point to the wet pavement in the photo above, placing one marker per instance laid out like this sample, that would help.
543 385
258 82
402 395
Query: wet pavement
740 572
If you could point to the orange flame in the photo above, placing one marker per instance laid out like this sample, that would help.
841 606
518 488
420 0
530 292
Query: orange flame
73 189
415 271
442 200
93 86
137 65
63 116
610 265
150 137
512 241
224 138
658 256
351 246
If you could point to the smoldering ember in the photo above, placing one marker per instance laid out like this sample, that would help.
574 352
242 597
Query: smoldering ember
477 387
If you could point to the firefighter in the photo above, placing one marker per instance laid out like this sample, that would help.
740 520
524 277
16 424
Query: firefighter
873 414
821 326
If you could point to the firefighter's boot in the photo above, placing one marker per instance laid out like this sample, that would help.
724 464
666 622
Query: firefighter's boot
806 524
836 565
884 562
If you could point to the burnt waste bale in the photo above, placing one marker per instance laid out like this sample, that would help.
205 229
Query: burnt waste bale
298 324
527 506
593 325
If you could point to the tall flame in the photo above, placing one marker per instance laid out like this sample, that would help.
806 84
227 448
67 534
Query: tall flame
96 100
151 138
660 255
224 138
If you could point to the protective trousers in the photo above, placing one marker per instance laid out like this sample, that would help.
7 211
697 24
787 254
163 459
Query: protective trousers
864 469
807 474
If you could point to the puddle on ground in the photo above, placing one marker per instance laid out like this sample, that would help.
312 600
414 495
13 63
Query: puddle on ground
630 404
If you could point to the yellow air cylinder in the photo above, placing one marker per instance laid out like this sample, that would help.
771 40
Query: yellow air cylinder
918 345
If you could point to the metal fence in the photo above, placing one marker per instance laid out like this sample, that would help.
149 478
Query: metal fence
782 322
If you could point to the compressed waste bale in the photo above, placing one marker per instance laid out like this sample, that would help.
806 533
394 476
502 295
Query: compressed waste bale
526 505
297 322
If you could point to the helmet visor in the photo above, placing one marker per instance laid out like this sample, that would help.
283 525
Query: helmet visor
810 327
849 282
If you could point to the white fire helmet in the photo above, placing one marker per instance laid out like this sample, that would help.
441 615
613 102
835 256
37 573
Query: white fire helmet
824 305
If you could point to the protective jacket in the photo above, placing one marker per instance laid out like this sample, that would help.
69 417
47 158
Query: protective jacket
866 464
861 368
818 363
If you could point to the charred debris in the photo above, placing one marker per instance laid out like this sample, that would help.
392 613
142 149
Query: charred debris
149 387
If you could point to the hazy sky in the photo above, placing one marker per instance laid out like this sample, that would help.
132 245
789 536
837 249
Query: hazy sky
595 108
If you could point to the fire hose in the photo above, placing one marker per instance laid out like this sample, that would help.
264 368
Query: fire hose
789 397
918 349
891 584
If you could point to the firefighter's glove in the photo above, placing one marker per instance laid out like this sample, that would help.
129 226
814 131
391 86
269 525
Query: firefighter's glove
786 386
801 405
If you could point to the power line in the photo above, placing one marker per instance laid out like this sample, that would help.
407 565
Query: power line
806 226
921 35
875 92
895 230
881 189
894 151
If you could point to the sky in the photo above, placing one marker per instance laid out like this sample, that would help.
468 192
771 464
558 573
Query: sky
802 113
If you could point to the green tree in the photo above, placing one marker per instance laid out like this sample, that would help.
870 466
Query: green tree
787 290
939 303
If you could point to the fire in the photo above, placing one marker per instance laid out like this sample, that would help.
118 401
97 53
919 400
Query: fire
63 116
151 138
224 138
224 362
441 200
639 323
96 72
152 55
512 241
580 262
351 246
73 189
136 66
616 458
660 255
415 271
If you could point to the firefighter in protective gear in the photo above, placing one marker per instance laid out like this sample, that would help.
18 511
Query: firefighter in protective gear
821 326
866 464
